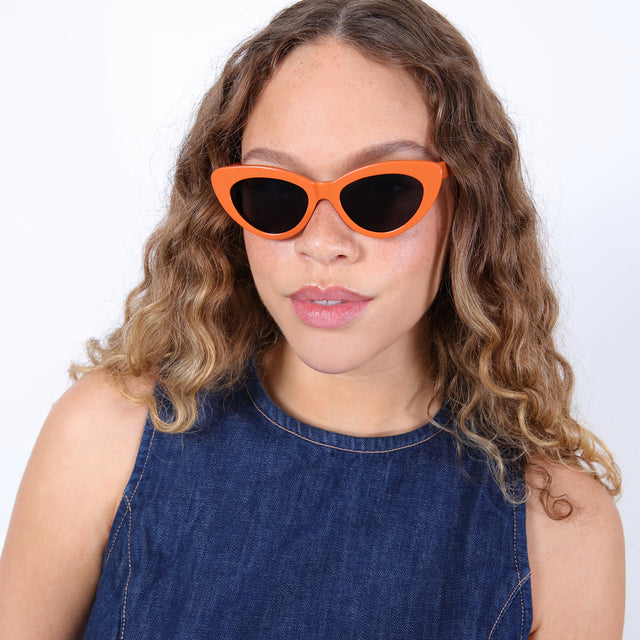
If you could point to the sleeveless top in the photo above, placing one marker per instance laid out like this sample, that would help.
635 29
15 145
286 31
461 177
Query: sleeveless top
255 525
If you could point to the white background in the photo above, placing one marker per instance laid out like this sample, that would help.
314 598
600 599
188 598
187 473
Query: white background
96 97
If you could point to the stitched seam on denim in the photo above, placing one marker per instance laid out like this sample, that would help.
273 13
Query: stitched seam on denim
126 586
124 515
331 446
520 584
515 557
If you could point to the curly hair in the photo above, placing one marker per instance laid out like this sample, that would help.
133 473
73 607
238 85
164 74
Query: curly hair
195 321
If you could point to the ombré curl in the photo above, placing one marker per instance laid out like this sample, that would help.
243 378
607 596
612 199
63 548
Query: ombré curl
195 321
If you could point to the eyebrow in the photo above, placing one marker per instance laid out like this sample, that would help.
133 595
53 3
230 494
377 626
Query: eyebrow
372 154
381 151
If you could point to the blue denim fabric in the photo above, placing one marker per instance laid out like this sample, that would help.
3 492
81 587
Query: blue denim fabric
254 525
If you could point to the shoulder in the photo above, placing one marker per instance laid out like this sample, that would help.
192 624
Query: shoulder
94 412
69 493
97 429
92 434
577 563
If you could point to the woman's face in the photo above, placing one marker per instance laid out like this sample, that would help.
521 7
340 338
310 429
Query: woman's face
345 301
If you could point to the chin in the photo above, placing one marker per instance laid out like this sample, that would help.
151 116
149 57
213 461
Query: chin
328 364
337 358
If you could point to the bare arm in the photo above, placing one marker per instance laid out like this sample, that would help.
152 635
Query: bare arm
51 562
577 564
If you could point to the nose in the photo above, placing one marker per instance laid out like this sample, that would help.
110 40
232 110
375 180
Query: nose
327 238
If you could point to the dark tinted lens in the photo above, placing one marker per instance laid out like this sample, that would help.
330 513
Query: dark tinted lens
382 203
272 206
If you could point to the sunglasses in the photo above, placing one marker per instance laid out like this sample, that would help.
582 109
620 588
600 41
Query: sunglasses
379 200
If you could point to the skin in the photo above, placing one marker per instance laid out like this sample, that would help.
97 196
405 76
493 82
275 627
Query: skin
577 564
68 497
326 108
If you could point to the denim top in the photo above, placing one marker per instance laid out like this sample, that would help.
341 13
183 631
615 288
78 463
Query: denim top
255 525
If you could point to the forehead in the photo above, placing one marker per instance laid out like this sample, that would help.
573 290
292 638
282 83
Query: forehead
326 101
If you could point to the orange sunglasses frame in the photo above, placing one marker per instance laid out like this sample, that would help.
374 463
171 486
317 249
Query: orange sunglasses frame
430 174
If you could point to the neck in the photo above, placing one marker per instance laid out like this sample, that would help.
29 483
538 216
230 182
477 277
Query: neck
381 399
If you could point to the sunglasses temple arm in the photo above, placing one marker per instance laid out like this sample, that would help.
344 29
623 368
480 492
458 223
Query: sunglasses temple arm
445 169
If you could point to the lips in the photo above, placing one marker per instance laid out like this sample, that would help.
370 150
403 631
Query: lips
329 308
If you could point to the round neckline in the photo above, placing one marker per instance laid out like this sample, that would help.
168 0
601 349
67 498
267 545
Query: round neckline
278 418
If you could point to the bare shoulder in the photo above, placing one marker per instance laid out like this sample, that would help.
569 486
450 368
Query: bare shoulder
577 564
94 412
94 427
70 491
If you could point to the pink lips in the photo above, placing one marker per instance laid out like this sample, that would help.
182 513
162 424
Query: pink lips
327 308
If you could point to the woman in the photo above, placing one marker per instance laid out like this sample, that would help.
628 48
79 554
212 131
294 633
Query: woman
334 408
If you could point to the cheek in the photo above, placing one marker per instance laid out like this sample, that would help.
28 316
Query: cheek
257 253
420 254
265 258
